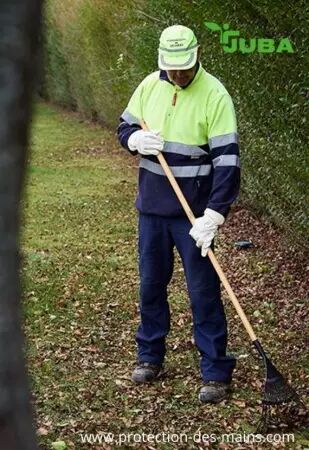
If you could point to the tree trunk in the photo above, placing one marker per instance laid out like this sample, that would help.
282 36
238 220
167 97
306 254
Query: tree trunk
19 37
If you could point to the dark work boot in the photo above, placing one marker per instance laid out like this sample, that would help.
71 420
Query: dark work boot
214 392
146 372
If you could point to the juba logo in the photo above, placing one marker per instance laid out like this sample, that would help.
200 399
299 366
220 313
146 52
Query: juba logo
231 41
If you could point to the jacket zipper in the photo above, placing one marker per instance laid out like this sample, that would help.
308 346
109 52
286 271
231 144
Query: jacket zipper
174 99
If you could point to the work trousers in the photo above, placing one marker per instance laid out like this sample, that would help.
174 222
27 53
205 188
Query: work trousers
157 238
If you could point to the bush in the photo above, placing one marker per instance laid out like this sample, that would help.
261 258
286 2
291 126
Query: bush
99 51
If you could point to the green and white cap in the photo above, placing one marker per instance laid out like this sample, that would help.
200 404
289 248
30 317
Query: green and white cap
177 49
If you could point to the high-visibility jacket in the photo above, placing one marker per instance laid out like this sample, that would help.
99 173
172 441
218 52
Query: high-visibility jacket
199 129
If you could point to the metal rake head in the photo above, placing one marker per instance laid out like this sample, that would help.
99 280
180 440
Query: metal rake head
277 391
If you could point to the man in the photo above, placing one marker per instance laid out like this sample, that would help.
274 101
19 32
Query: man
192 121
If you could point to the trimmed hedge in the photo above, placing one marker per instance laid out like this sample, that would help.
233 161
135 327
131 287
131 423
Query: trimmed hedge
97 52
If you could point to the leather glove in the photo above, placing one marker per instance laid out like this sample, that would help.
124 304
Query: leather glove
146 142
205 228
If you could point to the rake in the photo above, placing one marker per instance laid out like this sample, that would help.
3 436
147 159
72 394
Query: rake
276 390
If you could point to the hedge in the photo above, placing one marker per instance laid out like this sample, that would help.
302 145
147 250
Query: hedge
98 51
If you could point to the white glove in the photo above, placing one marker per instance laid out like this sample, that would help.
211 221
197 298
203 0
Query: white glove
205 229
146 142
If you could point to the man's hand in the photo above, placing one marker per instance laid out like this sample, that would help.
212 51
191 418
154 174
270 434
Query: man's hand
205 229
146 142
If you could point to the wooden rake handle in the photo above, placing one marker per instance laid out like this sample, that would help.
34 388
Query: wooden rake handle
211 255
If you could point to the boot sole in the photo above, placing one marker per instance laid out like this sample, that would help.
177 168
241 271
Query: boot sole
214 402
159 375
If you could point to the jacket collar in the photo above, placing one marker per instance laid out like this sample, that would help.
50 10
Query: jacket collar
163 76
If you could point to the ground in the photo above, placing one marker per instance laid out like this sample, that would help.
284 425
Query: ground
81 303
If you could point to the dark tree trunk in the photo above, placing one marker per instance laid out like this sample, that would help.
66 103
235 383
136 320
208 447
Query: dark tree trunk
19 37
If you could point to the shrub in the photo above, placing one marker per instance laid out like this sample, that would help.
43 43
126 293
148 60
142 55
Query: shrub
99 51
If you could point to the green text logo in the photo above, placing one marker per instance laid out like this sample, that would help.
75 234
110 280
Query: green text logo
232 42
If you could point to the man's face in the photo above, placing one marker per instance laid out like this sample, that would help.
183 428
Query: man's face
181 77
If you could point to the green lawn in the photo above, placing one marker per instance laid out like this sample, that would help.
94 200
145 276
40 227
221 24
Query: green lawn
81 294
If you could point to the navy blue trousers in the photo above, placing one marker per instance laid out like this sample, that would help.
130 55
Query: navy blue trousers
157 238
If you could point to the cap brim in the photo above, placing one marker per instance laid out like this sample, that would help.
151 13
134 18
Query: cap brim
177 61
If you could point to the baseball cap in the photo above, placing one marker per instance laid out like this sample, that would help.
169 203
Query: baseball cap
177 49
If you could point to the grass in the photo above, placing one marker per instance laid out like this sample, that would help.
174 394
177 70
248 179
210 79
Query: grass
81 290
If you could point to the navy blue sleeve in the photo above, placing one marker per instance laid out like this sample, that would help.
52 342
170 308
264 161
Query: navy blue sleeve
124 131
226 177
